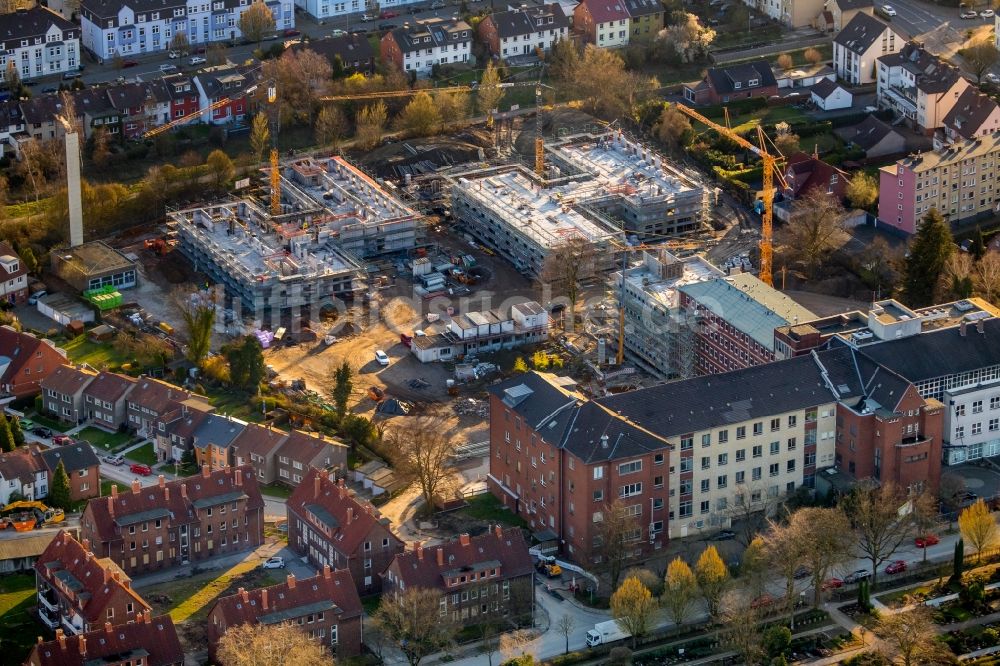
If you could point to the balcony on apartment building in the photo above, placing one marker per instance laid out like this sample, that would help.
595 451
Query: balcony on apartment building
72 624
48 598
902 99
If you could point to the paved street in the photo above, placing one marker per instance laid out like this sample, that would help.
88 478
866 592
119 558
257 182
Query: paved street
939 28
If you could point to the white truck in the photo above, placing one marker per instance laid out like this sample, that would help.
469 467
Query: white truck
606 632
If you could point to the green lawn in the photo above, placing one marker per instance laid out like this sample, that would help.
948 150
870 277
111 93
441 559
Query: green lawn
109 441
488 507
276 490
98 354
191 597
106 486
235 403
143 454
18 629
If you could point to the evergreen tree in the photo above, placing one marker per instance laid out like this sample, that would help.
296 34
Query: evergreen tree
7 441
59 492
342 388
959 562
246 363
929 251
16 431
978 248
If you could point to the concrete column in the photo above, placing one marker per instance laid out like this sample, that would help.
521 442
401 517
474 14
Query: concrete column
73 189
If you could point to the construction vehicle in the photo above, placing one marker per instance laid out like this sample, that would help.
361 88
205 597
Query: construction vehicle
159 245
771 172
376 394
27 515
549 567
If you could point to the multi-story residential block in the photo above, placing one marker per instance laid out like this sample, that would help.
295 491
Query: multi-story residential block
183 95
734 320
480 579
82 465
471 332
38 42
958 179
23 473
859 44
351 53
152 398
723 84
187 520
174 431
523 33
974 114
62 393
130 27
78 592
645 20
323 9
426 43
603 23
104 399
13 276
919 86
326 607
972 422
656 335
793 13
843 11
225 87
330 526
149 641
559 461
301 452
139 106
256 446
29 360
212 437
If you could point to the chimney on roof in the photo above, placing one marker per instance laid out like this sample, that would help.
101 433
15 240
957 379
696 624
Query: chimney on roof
604 441
464 539
61 637
419 549
961 328
166 493
205 470
263 598
108 627
291 581
40 640
340 488
498 530
238 477
243 594
350 514
82 645
440 554
184 490
979 327
136 486
326 571
161 480
114 490
115 575
111 505
86 544
316 482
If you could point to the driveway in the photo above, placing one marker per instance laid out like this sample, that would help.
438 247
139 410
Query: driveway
984 481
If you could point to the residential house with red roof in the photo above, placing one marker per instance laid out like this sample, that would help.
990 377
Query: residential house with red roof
78 592
149 641
25 361
805 172
602 22
152 398
331 526
63 392
104 399
256 446
22 473
13 276
177 522
174 431
481 579
302 451
326 607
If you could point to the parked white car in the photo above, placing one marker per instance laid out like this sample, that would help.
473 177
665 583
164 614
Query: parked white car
888 10
197 60
274 563
382 358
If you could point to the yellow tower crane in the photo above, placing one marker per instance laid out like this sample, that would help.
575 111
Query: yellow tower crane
272 96
771 172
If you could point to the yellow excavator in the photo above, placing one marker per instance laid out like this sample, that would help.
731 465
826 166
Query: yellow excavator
26 515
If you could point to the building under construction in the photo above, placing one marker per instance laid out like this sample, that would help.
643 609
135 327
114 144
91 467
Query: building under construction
600 190
287 267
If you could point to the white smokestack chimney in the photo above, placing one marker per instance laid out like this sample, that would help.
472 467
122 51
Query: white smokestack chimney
73 188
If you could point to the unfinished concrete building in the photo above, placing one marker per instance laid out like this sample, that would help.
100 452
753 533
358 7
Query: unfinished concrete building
599 190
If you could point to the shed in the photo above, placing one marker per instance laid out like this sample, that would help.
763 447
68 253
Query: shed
20 553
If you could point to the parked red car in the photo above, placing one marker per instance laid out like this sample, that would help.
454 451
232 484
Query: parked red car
899 566
387 14
926 540
832 584
292 32
140 469
62 440
130 63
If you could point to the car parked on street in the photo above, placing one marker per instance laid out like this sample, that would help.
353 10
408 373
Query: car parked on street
926 540
899 566
969 14
858 576
40 431
367 17
33 299
114 460
388 14
168 68
197 60
832 584
274 563
724 535
888 10
992 78
62 440
140 469
986 13
130 63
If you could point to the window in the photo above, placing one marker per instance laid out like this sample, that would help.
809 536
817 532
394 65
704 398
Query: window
755 474
758 451
723 459
775 448
723 436
658 459
722 481
977 428
741 477
959 432
598 495
630 490
774 469
775 425
791 444
758 429
977 407
741 432
741 455
791 466
687 443
657 481
684 509
706 462
705 485
686 487
995 402
994 425
706 439
598 472
630 467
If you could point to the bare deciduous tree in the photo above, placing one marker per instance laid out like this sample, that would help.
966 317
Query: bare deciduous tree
750 511
616 532
566 265
815 229
266 645
741 629
882 518
914 637
565 625
981 56
421 451
986 276
413 623
825 535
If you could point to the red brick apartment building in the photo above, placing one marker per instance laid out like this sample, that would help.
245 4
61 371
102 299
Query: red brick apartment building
480 579
78 592
326 607
31 361
149 641
176 522
332 527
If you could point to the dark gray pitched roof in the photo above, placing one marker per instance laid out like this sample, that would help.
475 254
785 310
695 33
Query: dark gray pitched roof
859 35
972 109
351 48
217 430
868 133
845 5
723 79
74 457
596 434
428 33
859 382
525 21
682 407
31 23
637 8
939 353
933 74
824 88
543 406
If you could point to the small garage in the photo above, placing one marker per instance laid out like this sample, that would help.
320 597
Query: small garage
830 96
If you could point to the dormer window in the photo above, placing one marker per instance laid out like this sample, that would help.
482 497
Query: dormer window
737 85
754 82
541 21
